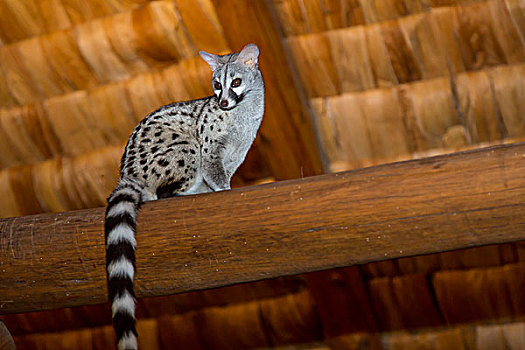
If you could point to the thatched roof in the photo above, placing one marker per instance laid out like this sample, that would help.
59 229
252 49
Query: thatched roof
349 84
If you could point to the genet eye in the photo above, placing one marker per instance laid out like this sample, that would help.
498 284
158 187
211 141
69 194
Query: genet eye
217 85
236 82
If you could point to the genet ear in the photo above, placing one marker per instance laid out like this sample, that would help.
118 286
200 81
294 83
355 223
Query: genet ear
211 59
249 56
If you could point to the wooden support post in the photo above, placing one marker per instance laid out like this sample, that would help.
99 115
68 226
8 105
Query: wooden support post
187 243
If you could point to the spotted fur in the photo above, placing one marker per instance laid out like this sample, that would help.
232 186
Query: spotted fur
184 148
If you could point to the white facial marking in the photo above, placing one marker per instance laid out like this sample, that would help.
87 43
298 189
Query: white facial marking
238 90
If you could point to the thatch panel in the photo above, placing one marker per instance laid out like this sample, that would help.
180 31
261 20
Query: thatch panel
20 20
28 135
254 324
101 58
383 70
342 301
480 257
404 302
313 11
177 331
60 184
202 23
433 105
42 75
471 258
361 341
65 58
296 19
508 253
272 292
430 55
336 304
475 32
238 326
385 304
102 51
515 285
30 18
112 112
299 17
422 46
81 11
85 120
386 268
517 13
72 120
507 32
351 58
520 251
196 80
480 337
259 324
290 319
439 113
377 11
407 302
386 129
81 340
83 181
402 56
20 181
315 65
419 264
102 338
148 330
343 138
445 34
22 139
465 296
476 104
119 32
235 294
509 94
489 338
80 187
17 78
160 34
8 205
414 297
145 92
8 100
439 340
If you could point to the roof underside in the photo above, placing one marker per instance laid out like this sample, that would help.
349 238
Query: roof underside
348 84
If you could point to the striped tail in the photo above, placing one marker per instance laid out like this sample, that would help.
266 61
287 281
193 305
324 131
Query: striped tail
120 227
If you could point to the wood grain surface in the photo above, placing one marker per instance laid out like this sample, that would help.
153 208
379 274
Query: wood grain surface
402 209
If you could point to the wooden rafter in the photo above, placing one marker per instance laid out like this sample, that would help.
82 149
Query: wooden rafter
402 209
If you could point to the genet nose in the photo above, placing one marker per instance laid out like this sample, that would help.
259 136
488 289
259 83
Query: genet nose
224 103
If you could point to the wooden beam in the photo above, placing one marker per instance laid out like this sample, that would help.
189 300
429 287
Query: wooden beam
287 139
196 242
